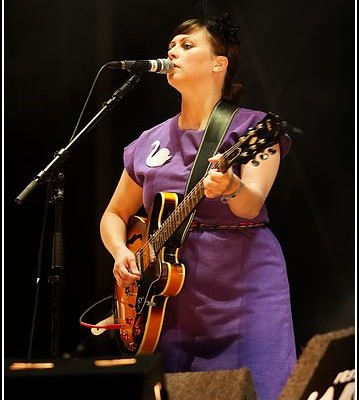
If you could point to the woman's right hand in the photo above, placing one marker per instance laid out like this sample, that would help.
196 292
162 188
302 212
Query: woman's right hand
125 269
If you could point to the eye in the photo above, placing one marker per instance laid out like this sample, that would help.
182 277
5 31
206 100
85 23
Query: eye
187 46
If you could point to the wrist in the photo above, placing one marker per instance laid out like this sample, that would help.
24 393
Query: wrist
226 197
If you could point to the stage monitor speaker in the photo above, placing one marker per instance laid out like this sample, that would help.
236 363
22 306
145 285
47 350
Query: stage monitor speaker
211 385
325 370
139 378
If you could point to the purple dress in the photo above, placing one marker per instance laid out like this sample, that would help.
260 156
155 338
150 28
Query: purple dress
234 308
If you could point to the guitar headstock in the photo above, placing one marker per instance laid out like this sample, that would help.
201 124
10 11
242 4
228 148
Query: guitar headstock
257 141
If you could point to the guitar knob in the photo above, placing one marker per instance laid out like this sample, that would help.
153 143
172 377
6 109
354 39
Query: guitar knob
129 320
137 330
124 335
132 346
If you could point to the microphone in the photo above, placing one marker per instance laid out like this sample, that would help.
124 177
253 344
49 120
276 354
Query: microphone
160 66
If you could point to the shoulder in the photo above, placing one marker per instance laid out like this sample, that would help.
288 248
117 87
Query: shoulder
249 115
154 133
162 126
246 119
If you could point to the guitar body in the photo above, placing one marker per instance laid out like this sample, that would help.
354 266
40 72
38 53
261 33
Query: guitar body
140 308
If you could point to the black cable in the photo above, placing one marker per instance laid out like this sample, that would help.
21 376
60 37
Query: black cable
86 101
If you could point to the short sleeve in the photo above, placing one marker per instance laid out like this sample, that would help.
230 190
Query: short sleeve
129 157
285 144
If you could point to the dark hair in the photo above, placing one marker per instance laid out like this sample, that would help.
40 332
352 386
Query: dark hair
225 42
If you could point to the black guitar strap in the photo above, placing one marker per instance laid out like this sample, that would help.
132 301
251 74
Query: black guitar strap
217 125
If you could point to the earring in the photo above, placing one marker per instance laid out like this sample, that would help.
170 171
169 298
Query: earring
215 69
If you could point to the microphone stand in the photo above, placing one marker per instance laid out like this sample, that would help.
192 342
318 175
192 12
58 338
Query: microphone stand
57 197
62 154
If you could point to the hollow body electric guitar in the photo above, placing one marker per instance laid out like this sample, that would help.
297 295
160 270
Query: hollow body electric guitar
139 309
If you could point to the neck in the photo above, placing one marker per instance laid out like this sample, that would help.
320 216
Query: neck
196 112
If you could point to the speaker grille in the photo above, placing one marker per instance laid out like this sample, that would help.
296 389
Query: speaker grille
324 357
211 385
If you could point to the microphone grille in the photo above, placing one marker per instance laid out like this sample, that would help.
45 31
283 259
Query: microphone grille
166 66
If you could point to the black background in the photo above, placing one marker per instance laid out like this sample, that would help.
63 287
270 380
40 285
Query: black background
297 59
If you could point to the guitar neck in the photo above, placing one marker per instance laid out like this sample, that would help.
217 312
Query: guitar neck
177 217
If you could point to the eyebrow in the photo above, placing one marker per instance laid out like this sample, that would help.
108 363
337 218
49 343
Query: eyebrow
184 38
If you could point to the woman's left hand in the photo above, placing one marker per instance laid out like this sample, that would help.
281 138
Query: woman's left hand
218 183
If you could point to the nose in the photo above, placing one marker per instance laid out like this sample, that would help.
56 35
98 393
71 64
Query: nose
172 53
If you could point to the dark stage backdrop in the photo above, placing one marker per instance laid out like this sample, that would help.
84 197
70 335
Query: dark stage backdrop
297 60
